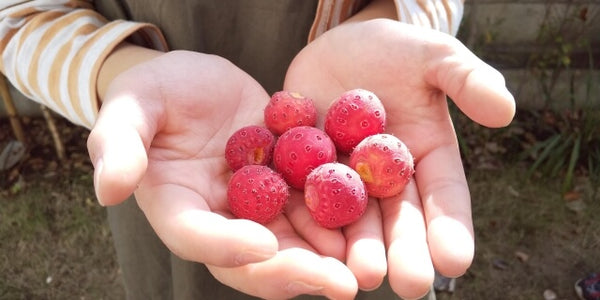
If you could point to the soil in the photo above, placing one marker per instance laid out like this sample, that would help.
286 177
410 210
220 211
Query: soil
530 237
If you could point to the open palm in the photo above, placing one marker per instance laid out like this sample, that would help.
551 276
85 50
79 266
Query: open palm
412 70
161 132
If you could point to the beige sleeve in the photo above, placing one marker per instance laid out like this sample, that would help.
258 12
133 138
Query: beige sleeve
51 51
442 15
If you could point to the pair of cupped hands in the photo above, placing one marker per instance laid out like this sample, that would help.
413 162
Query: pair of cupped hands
161 134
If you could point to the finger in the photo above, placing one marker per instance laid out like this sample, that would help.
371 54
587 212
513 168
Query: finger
366 249
117 146
187 227
478 89
292 272
447 205
327 242
410 270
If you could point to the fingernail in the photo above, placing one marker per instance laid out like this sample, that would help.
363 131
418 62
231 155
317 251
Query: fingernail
299 287
98 166
252 257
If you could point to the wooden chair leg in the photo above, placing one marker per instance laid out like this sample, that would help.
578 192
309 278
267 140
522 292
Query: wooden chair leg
58 144
11 111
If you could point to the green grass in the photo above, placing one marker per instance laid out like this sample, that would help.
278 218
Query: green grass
514 215
56 230
56 243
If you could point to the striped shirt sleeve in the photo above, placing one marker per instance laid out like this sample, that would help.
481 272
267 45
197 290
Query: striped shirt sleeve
442 15
52 50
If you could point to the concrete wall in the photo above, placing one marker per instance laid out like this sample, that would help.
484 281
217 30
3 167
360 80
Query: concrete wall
518 36
506 33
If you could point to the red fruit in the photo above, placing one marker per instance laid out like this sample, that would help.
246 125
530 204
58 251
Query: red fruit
257 193
299 150
287 110
355 115
384 164
250 145
335 195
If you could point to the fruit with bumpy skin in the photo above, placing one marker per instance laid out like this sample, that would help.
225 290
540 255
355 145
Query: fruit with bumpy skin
384 163
289 109
335 195
355 115
300 150
250 145
257 193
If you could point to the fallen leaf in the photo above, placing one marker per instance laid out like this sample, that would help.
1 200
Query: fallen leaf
513 192
500 264
572 196
577 206
12 153
550 295
522 256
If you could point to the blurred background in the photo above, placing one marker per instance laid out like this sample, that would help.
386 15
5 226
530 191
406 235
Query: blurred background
535 184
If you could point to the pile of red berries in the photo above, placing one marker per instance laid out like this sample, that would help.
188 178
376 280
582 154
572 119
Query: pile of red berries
289 151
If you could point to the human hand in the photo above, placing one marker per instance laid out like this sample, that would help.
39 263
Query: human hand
412 70
161 132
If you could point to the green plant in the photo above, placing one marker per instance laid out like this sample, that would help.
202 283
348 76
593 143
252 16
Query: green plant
565 140
568 144
594 171
563 43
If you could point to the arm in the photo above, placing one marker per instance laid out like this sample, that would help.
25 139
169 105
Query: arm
74 41
411 68
52 52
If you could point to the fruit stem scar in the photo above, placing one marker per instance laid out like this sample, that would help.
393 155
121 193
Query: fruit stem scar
311 198
364 171
259 155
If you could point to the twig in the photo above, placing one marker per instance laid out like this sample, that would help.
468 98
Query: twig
58 144
11 111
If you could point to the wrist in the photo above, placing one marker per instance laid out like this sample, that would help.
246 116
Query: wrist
123 57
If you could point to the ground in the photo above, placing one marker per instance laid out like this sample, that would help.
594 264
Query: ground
56 244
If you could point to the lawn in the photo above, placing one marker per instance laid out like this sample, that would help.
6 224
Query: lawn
530 237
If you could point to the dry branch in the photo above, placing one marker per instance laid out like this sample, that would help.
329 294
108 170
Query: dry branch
58 144
11 111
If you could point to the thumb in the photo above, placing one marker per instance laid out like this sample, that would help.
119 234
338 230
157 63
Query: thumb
478 89
117 147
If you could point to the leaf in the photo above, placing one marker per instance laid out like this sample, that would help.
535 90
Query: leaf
16 187
550 295
583 14
12 153
557 158
522 256
568 182
548 146
500 264
577 206
572 196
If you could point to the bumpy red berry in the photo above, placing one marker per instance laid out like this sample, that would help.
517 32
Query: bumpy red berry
384 163
250 145
299 150
355 115
257 193
289 109
335 195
